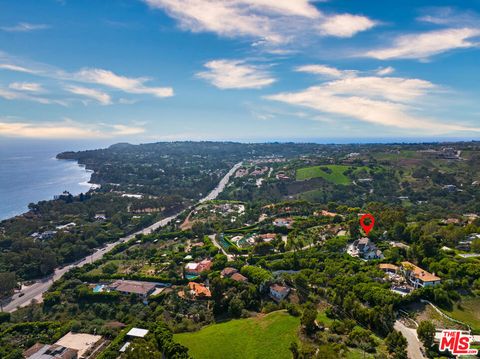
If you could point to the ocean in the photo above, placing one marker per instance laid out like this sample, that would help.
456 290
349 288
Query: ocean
29 172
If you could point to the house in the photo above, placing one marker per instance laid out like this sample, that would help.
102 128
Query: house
228 272
45 351
283 222
419 277
365 249
44 235
237 277
84 344
199 291
100 217
142 289
388 268
282 176
279 292
466 245
193 268
66 226
450 188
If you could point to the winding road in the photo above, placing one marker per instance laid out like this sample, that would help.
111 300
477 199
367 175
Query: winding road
35 291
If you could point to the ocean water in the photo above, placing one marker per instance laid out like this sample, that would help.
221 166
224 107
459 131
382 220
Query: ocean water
29 172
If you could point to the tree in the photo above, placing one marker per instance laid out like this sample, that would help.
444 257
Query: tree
476 245
362 338
235 307
8 282
308 319
110 268
142 349
426 333
397 345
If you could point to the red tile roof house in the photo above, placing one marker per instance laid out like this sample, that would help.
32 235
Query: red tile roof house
199 291
228 272
419 277
279 292
239 278
197 268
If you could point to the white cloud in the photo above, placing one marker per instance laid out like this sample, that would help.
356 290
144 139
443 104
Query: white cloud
65 129
235 74
385 71
123 83
132 85
26 86
425 45
16 68
8 94
325 70
24 27
273 22
345 25
387 101
99 96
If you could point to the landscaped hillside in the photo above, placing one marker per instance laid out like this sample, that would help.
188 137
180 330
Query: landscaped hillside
266 336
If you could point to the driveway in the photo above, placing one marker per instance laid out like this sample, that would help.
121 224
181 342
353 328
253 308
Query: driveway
414 348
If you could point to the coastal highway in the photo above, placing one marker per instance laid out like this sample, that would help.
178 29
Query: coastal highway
35 291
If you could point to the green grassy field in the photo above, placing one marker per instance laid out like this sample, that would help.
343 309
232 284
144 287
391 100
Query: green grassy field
336 176
468 313
267 336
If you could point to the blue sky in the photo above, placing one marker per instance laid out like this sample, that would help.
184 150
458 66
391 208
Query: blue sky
250 70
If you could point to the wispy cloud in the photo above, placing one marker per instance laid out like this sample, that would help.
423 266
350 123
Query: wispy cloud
123 83
101 77
9 94
235 74
99 96
24 27
17 68
387 101
425 45
272 22
66 129
383 71
326 71
27 86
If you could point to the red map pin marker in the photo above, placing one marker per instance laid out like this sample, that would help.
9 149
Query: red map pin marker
367 227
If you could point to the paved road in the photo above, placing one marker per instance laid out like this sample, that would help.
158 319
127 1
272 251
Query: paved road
414 346
36 290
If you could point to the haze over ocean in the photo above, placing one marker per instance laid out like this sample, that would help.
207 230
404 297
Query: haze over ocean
29 172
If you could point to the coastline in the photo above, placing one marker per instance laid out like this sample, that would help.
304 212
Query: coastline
74 178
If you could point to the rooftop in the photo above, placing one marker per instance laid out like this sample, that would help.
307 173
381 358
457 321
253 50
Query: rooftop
137 332
420 273
79 341
130 286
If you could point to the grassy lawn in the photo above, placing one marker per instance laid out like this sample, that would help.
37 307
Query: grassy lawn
267 336
322 317
468 312
335 176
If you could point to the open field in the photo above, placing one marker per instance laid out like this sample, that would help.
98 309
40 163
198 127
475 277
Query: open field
334 173
265 336
468 312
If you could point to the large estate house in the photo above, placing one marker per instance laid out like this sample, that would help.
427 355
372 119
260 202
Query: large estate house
418 277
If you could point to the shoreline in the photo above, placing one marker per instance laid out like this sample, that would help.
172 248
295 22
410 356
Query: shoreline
83 182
